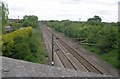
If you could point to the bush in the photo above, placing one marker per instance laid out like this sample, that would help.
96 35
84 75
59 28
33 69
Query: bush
30 20
17 45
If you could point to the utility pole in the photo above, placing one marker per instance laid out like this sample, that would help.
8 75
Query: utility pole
79 19
18 19
52 50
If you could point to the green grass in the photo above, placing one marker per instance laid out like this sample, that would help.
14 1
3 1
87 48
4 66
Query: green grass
110 56
92 49
38 47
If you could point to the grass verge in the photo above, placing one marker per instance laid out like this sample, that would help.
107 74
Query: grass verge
111 56
38 46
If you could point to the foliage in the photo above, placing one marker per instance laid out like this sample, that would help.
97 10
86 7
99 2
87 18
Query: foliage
118 23
0 19
15 25
101 38
112 57
25 44
38 45
21 43
16 44
30 20
96 20
4 15
0 26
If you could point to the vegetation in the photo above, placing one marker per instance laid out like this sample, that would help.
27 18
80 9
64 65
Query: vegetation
4 15
25 41
16 44
0 19
0 27
24 44
97 36
3 20
30 20
11 42
38 45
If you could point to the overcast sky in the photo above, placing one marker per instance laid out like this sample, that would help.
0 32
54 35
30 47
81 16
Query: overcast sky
64 9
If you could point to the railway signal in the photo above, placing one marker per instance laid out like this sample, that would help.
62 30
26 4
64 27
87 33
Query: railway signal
52 50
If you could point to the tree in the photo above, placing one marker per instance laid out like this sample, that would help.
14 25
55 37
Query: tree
118 23
30 20
0 18
96 20
5 13
26 23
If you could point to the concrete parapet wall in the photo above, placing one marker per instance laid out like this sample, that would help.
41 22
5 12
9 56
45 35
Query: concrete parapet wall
19 68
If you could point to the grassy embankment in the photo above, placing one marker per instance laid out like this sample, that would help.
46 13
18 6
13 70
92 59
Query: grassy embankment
37 39
24 44
111 56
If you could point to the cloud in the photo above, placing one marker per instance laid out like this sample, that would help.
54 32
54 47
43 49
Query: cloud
70 1
64 9
106 12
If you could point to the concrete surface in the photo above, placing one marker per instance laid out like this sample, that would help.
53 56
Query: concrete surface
18 68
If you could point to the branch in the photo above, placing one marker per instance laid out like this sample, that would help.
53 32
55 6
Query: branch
78 38
90 44
82 41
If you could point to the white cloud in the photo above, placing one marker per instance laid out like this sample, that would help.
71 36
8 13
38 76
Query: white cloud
64 9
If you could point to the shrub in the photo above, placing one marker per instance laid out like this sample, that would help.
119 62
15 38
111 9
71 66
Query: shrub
16 44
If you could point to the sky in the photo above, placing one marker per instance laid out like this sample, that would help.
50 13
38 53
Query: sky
74 10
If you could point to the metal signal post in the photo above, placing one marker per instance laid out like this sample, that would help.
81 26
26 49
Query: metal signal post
52 50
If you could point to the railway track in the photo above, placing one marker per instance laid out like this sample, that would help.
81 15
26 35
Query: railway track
69 57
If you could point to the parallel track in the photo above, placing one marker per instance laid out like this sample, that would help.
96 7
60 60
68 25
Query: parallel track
65 59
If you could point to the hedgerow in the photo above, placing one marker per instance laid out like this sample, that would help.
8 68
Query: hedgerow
17 44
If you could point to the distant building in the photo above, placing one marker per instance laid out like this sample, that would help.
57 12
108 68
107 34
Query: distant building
8 29
13 20
119 11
